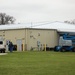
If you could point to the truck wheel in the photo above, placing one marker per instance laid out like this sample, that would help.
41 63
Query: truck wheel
0 51
62 50
56 48
3 51
73 50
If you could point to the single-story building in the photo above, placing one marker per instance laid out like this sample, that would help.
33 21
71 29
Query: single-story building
28 37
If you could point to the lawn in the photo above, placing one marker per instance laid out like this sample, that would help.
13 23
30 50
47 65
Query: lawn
37 63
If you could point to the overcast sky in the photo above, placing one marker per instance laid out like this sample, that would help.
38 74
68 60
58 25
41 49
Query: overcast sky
39 10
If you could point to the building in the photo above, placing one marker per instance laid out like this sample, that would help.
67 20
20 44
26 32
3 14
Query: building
27 37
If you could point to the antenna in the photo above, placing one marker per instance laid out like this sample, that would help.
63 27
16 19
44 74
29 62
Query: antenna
31 24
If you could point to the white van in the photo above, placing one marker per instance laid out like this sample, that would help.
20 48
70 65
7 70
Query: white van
2 47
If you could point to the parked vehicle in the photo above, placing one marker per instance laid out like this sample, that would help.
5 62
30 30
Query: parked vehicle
65 43
2 47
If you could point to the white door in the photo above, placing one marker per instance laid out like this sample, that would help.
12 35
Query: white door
19 45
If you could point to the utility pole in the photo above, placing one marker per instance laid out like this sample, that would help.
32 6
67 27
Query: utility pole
31 24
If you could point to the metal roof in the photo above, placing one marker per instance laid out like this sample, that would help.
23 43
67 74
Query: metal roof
59 26
14 26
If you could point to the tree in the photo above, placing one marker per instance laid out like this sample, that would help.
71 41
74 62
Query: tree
70 22
6 19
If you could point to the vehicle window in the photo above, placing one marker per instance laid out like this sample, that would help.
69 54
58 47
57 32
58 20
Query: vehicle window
1 42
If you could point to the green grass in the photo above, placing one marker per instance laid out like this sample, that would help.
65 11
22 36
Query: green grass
38 63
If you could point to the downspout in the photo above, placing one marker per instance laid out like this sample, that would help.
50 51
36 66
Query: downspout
26 39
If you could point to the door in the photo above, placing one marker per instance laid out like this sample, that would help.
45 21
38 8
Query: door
19 45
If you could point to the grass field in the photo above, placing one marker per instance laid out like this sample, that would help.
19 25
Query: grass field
37 63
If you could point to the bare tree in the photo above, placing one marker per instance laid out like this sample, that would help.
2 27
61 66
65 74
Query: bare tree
6 19
70 22
73 21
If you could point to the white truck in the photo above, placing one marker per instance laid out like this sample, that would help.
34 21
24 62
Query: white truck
2 47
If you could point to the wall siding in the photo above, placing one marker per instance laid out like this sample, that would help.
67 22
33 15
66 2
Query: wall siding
30 37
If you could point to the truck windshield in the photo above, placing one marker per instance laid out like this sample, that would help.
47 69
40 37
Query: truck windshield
1 42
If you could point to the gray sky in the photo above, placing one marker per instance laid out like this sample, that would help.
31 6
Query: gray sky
39 10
